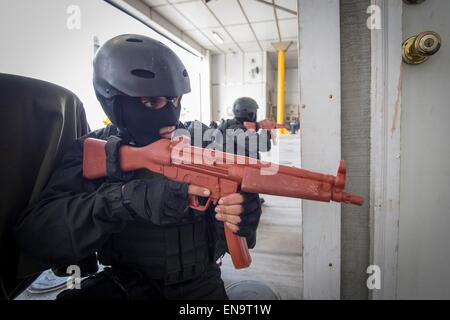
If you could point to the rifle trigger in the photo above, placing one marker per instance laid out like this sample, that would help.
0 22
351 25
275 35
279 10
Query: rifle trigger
194 204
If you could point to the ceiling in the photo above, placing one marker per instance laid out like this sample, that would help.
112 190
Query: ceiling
243 25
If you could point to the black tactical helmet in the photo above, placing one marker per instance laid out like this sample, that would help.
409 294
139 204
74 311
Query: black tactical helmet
137 66
245 109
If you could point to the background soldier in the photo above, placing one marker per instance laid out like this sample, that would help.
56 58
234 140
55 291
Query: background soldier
237 138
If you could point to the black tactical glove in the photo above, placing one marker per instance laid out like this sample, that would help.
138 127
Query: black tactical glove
250 218
158 200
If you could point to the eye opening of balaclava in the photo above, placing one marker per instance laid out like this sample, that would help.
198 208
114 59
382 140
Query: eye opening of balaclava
141 123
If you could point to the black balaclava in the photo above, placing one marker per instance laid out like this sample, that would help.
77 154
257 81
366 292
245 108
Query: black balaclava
142 123
250 118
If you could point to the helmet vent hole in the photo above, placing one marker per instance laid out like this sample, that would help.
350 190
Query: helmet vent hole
185 74
134 40
141 73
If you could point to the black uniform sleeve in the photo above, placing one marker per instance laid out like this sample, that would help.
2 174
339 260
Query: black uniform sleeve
73 217
237 139
264 141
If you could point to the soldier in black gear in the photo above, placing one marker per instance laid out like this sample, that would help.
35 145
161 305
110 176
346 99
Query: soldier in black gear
237 138
139 223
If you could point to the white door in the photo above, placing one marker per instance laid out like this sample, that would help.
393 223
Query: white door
424 221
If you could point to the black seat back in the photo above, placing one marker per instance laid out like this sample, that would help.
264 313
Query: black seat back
38 122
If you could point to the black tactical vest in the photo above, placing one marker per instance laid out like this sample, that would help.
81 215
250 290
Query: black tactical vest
172 254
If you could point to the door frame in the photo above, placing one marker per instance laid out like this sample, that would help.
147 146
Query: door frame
321 225
386 93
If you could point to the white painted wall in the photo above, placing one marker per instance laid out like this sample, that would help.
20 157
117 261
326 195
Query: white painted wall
292 88
36 42
205 88
231 78
271 87
320 77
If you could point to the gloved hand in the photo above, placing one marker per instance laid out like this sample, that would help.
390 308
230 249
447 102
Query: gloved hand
241 212
158 200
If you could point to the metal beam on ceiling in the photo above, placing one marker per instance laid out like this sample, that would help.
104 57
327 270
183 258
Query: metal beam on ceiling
277 6
173 5
276 21
249 24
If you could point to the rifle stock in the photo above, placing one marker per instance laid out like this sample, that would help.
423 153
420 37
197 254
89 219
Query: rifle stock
221 173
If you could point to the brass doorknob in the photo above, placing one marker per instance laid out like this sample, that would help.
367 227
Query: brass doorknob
418 49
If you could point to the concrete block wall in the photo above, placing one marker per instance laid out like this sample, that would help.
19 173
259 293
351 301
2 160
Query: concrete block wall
355 144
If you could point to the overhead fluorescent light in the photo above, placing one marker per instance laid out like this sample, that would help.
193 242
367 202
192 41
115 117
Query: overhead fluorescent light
217 37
